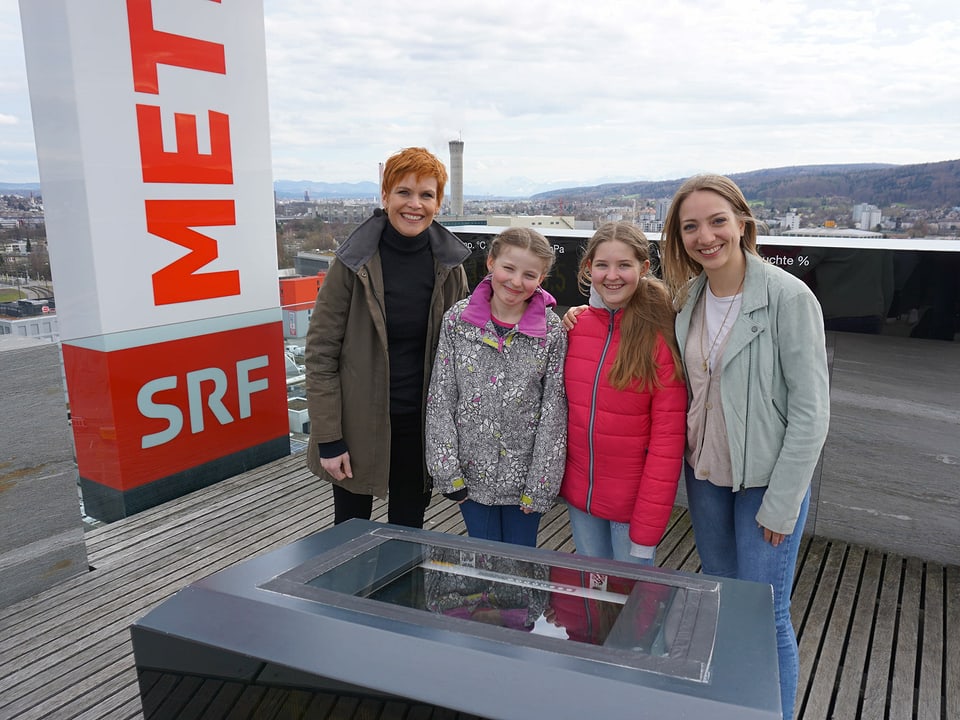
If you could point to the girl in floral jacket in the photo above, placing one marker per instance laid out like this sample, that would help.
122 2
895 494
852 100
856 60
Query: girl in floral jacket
496 427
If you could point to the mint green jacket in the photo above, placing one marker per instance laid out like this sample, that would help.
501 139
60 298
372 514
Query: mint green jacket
774 388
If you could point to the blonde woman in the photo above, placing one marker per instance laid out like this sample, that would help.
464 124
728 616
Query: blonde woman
752 342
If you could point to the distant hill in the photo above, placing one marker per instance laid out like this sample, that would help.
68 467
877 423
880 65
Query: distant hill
287 189
19 188
294 189
927 185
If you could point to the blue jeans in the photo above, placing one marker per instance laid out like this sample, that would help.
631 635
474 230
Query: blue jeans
730 544
601 538
506 523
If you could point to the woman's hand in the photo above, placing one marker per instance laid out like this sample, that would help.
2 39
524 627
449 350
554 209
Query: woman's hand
570 316
774 538
337 467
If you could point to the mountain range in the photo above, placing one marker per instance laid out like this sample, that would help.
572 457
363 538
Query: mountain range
925 185
510 188
294 190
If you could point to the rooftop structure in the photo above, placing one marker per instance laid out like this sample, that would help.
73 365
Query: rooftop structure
834 232
456 177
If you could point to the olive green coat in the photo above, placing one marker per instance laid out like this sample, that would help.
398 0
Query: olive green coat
347 358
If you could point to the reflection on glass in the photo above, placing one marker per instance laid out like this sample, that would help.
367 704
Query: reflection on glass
904 293
615 612
578 605
475 586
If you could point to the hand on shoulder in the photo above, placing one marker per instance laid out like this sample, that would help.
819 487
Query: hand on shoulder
571 315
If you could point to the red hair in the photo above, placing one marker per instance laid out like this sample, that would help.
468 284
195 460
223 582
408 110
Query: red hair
417 160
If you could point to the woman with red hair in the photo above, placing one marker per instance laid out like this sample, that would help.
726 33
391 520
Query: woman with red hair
371 342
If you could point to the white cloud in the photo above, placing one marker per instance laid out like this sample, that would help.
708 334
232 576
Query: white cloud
584 91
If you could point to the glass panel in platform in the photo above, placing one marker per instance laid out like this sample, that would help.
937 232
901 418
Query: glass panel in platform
642 618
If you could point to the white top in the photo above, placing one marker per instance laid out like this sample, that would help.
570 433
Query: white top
721 314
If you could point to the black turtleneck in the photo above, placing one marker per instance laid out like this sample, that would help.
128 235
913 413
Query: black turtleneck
408 278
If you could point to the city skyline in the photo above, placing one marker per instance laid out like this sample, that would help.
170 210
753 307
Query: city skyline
557 95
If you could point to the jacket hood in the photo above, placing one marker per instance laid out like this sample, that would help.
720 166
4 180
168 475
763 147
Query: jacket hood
356 250
533 322
597 302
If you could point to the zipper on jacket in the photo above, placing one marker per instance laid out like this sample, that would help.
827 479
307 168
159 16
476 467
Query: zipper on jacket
746 419
494 339
593 408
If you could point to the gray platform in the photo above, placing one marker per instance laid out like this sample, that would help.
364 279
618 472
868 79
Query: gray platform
891 465
41 533
396 614
889 475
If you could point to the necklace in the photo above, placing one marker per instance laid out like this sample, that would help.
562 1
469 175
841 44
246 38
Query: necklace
716 338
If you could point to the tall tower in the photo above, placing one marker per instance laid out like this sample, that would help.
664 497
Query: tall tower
456 177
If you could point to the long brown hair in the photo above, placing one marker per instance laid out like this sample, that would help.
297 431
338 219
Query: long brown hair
678 266
647 314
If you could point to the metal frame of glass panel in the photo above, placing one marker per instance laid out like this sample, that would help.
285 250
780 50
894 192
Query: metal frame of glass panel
388 613
351 576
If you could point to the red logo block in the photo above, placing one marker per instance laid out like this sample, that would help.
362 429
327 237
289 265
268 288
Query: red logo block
145 413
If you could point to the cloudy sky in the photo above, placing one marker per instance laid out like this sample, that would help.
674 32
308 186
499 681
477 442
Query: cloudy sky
571 93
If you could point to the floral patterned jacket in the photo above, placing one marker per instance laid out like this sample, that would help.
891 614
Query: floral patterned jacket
496 411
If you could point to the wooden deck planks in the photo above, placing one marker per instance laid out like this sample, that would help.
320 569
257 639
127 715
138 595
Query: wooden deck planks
272 493
809 561
830 654
951 643
815 627
138 561
902 686
151 580
878 633
96 633
165 519
876 691
930 687
853 674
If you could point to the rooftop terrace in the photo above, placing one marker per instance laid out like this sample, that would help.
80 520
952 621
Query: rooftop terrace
878 632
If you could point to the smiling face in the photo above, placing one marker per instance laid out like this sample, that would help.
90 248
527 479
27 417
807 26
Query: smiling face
711 231
515 274
411 204
615 272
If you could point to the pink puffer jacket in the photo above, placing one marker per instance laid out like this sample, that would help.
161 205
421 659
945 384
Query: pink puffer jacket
624 448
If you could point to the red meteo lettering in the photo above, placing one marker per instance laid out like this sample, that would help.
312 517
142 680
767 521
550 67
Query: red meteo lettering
179 281
187 164
150 48
173 219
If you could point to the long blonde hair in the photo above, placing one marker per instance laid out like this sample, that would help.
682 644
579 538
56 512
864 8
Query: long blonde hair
678 266
647 314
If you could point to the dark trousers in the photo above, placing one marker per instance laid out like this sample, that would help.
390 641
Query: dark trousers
407 500
505 523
